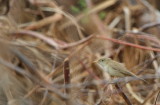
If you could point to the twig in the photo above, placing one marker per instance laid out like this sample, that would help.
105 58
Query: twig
77 43
39 2
147 37
128 44
99 82
66 72
102 6
53 42
148 5
15 68
123 94
139 99
44 97
156 98
44 22
38 35
149 97
127 15
5 3
32 91
149 25
114 22
144 64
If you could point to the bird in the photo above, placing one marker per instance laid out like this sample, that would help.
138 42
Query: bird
114 68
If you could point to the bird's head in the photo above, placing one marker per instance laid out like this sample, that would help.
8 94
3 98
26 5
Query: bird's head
103 61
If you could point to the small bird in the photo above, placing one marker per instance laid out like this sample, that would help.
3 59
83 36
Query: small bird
114 68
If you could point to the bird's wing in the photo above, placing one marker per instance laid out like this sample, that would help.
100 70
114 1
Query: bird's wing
121 68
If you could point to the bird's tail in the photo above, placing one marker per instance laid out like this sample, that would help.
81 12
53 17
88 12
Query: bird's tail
141 79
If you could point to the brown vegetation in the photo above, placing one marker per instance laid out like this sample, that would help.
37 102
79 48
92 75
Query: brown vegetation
48 48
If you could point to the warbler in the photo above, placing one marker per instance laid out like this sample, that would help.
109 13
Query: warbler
114 68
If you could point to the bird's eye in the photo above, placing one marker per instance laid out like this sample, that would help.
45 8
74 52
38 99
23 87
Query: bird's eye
102 60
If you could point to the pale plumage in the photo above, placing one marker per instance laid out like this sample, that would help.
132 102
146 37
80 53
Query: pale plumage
114 68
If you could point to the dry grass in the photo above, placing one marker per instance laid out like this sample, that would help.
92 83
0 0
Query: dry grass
48 49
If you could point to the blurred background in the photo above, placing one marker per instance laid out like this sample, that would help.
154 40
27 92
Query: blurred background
48 48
